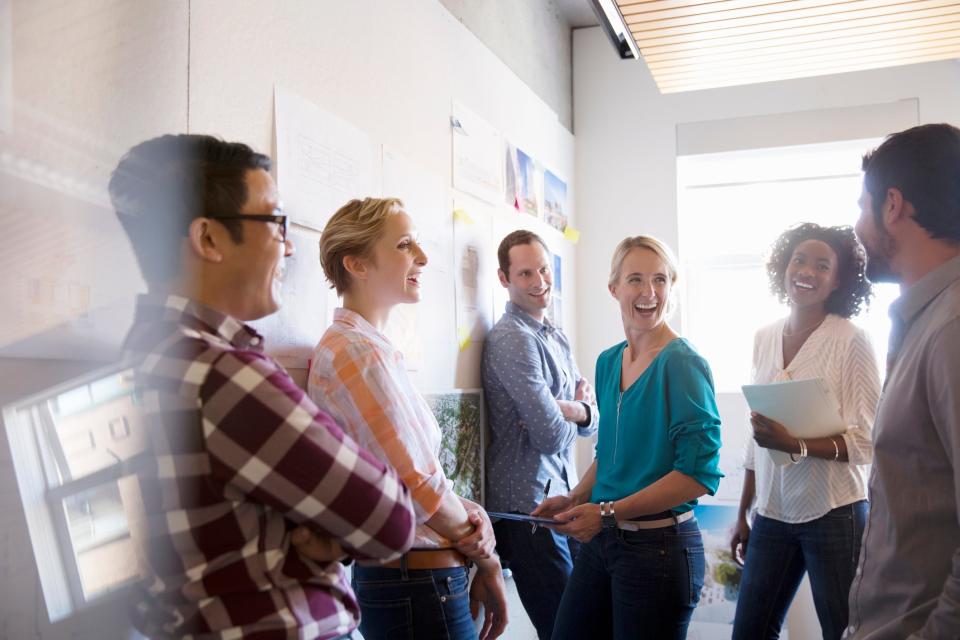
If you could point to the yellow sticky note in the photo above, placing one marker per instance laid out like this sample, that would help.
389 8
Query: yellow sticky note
571 234
462 215
463 335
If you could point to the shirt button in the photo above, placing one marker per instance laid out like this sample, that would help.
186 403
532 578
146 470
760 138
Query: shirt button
850 630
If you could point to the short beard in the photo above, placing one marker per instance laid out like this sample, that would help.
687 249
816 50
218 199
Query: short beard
879 268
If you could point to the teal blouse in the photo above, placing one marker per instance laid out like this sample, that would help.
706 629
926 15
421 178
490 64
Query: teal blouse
666 420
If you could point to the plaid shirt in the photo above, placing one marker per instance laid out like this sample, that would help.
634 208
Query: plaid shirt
239 457
361 378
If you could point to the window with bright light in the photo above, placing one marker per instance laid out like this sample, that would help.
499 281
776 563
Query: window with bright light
75 450
731 208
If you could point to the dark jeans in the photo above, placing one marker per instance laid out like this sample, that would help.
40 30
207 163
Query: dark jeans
634 584
541 563
778 553
423 604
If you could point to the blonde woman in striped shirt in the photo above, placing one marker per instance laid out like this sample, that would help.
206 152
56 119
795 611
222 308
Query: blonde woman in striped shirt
810 514
370 254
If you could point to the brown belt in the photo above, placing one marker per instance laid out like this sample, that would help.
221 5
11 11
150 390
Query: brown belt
439 559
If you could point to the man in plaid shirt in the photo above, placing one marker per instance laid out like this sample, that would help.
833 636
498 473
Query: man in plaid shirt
251 493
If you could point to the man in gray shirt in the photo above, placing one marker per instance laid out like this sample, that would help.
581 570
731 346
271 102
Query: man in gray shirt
537 404
907 584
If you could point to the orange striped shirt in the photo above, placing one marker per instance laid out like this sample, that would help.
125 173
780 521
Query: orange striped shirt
360 379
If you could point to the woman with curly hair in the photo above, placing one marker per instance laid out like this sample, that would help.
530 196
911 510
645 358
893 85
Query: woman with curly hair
810 514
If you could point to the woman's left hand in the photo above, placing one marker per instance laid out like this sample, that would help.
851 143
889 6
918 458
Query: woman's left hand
770 434
582 522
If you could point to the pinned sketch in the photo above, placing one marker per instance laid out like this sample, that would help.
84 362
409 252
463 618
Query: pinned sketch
322 160
424 197
474 265
291 333
528 186
460 416
425 200
476 155
554 201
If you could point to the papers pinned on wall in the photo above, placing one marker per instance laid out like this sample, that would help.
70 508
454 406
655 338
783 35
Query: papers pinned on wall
477 155
323 161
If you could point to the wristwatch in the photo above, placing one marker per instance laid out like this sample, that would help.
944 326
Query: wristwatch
608 518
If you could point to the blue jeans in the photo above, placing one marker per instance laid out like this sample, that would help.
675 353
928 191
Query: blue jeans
634 584
778 554
541 563
403 604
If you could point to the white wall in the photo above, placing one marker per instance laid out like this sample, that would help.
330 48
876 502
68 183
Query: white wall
626 168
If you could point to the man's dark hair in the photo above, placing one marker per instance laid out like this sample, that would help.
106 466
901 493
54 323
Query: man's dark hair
160 186
853 290
512 239
924 164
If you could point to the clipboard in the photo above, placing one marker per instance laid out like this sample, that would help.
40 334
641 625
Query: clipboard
523 518
807 408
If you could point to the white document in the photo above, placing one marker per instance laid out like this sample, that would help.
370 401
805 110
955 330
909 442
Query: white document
477 156
322 161
807 408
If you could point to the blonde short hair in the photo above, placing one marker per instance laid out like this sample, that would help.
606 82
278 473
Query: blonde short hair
352 231
651 244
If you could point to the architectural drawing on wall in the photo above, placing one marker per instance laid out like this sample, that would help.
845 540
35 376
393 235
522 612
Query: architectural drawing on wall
322 160
474 265
424 198
554 201
476 155
713 617
291 333
528 185
460 416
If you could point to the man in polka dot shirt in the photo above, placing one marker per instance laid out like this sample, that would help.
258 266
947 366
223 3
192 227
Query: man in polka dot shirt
538 404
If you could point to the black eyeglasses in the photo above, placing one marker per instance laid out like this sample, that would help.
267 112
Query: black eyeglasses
278 218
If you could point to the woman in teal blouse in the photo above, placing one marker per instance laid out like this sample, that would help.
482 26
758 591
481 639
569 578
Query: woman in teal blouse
640 572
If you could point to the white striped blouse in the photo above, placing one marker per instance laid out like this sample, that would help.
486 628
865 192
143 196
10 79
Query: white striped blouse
841 353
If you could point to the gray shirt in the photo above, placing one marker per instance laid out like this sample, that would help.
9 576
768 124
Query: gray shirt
527 366
907 584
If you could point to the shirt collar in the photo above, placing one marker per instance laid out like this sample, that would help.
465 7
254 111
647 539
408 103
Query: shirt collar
174 308
356 321
546 326
912 301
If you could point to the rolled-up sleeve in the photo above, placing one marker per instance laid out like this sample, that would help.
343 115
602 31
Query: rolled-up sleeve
694 426
860 394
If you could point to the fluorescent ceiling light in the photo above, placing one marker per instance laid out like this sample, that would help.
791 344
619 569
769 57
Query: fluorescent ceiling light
691 45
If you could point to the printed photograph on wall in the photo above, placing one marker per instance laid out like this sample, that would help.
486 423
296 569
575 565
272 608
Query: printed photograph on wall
554 201
460 416
713 617
527 184
511 178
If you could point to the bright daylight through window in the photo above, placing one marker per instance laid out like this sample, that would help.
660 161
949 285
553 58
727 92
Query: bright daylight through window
732 206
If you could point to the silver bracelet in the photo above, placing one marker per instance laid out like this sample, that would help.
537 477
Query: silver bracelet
803 452
836 449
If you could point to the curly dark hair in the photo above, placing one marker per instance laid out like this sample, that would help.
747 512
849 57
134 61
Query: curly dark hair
853 290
